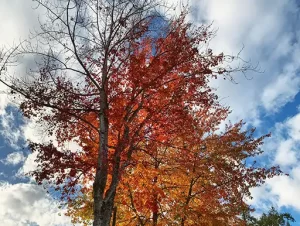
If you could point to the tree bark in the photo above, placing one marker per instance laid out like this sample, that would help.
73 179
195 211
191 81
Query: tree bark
155 197
114 222
102 207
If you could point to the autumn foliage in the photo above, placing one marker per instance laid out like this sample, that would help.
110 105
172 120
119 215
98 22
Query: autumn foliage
200 185
165 160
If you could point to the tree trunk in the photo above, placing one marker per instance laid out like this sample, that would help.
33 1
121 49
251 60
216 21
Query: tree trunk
155 198
103 217
155 211
103 206
114 223
188 199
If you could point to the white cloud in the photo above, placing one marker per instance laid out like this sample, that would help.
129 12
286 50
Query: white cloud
34 132
266 29
262 199
280 191
18 17
282 149
14 158
28 166
287 189
293 126
9 130
285 155
25 204
281 91
4 101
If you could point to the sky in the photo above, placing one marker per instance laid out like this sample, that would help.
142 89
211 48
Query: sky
267 32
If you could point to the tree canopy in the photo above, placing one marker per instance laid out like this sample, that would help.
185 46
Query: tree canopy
131 88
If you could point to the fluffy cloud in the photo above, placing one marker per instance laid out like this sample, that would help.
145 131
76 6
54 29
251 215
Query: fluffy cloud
258 26
286 189
283 150
285 142
268 30
280 191
19 17
14 158
9 130
28 166
285 155
28 204
284 88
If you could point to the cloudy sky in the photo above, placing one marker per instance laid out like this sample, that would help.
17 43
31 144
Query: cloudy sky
268 31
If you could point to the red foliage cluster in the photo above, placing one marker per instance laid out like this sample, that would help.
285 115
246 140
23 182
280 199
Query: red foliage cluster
163 147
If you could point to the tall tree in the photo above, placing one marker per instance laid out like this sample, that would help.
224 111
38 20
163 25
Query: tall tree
121 80
77 53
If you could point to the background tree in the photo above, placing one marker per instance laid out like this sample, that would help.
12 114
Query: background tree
272 218
126 83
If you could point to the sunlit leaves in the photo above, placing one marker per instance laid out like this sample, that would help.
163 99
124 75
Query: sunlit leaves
165 150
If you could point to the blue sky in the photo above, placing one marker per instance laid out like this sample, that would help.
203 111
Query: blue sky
269 31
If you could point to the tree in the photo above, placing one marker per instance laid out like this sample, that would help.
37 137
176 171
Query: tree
81 45
272 218
123 89
194 187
